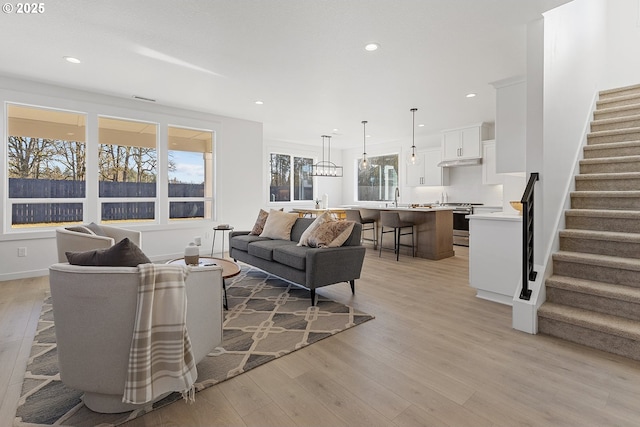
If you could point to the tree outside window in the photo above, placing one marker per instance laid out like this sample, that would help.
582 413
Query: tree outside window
127 169
46 164
379 181
282 187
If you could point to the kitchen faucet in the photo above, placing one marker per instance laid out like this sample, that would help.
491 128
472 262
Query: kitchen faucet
395 198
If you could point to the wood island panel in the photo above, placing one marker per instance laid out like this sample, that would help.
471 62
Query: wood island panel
433 232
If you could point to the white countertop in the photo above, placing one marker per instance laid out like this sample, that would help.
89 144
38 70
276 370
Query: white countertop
404 208
497 216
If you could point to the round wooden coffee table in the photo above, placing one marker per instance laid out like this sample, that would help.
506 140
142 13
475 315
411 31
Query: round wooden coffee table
229 269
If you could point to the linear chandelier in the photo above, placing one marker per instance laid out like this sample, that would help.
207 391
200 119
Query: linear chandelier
326 167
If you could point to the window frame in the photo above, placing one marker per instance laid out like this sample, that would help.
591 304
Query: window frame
292 155
164 117
356 175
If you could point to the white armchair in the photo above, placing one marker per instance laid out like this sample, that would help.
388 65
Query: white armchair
76 241
94 310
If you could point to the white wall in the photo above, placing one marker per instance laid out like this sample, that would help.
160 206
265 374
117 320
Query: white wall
574 52
623 44
239 175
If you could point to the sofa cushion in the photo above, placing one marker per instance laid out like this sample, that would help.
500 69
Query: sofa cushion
242 242
325 217
331 234
260 221
264 248
291 256
97 229
125 253
278 225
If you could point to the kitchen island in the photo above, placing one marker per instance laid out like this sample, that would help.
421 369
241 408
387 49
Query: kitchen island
433 228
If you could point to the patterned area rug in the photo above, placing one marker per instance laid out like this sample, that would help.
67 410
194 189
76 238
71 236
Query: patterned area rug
267 318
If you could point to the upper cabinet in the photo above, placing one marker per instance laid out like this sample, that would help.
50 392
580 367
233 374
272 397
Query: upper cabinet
489 175
427 172
465 143
511 124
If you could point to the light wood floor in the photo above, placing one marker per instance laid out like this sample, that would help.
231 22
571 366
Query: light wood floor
434 355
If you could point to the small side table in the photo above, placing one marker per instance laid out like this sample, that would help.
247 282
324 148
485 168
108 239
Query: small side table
229 269
215 230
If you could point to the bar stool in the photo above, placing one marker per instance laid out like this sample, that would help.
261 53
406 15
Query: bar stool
392 220
368 220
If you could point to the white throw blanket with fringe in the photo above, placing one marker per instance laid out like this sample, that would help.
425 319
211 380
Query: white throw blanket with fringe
160 360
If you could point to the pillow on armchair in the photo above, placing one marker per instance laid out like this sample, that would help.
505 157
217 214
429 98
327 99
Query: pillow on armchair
125 253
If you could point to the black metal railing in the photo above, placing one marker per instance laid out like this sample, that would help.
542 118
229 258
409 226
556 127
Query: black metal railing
527 237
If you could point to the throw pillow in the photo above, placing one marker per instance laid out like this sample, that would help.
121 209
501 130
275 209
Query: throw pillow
125 253
80 229
259 225
279 225
304 238
97 229
331 234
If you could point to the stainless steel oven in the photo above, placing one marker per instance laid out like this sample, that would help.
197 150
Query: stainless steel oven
461 222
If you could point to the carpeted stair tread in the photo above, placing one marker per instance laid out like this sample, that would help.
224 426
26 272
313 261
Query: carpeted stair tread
623 99
607 323
604 213
609 236
604 149
612 123
621 111
608 175
604 194
614 135
606 290
619 91
597 260
618 164
606 160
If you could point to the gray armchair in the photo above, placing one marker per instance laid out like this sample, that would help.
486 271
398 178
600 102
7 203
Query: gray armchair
82 238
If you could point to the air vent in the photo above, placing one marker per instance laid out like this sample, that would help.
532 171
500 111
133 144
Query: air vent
142 98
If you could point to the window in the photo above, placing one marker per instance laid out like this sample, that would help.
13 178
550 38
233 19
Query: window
379 181
46 166
282 187
189 173
127 169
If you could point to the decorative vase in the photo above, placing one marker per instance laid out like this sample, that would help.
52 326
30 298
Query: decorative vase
191 254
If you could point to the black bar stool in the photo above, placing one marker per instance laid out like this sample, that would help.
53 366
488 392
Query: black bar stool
391 219
368 218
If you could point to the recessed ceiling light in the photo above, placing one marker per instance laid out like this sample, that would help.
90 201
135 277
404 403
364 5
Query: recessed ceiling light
259 102
421 125
371 47
471 95
71 59
336 130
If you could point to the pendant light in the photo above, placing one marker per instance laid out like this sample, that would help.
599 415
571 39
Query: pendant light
413 158
363 165
326 168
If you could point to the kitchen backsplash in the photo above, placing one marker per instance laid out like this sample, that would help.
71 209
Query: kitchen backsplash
465 185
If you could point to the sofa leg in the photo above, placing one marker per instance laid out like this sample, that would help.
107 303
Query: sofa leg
313 297
353 286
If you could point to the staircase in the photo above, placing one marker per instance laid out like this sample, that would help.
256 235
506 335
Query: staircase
593 297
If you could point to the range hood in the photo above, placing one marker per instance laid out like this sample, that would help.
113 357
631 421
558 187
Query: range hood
461 162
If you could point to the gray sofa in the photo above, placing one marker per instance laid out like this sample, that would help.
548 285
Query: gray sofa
302 265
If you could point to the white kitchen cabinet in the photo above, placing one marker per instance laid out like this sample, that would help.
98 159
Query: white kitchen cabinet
489 174
464 143
495 255
427 172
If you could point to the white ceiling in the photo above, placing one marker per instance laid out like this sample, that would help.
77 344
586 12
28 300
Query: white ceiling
304 58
